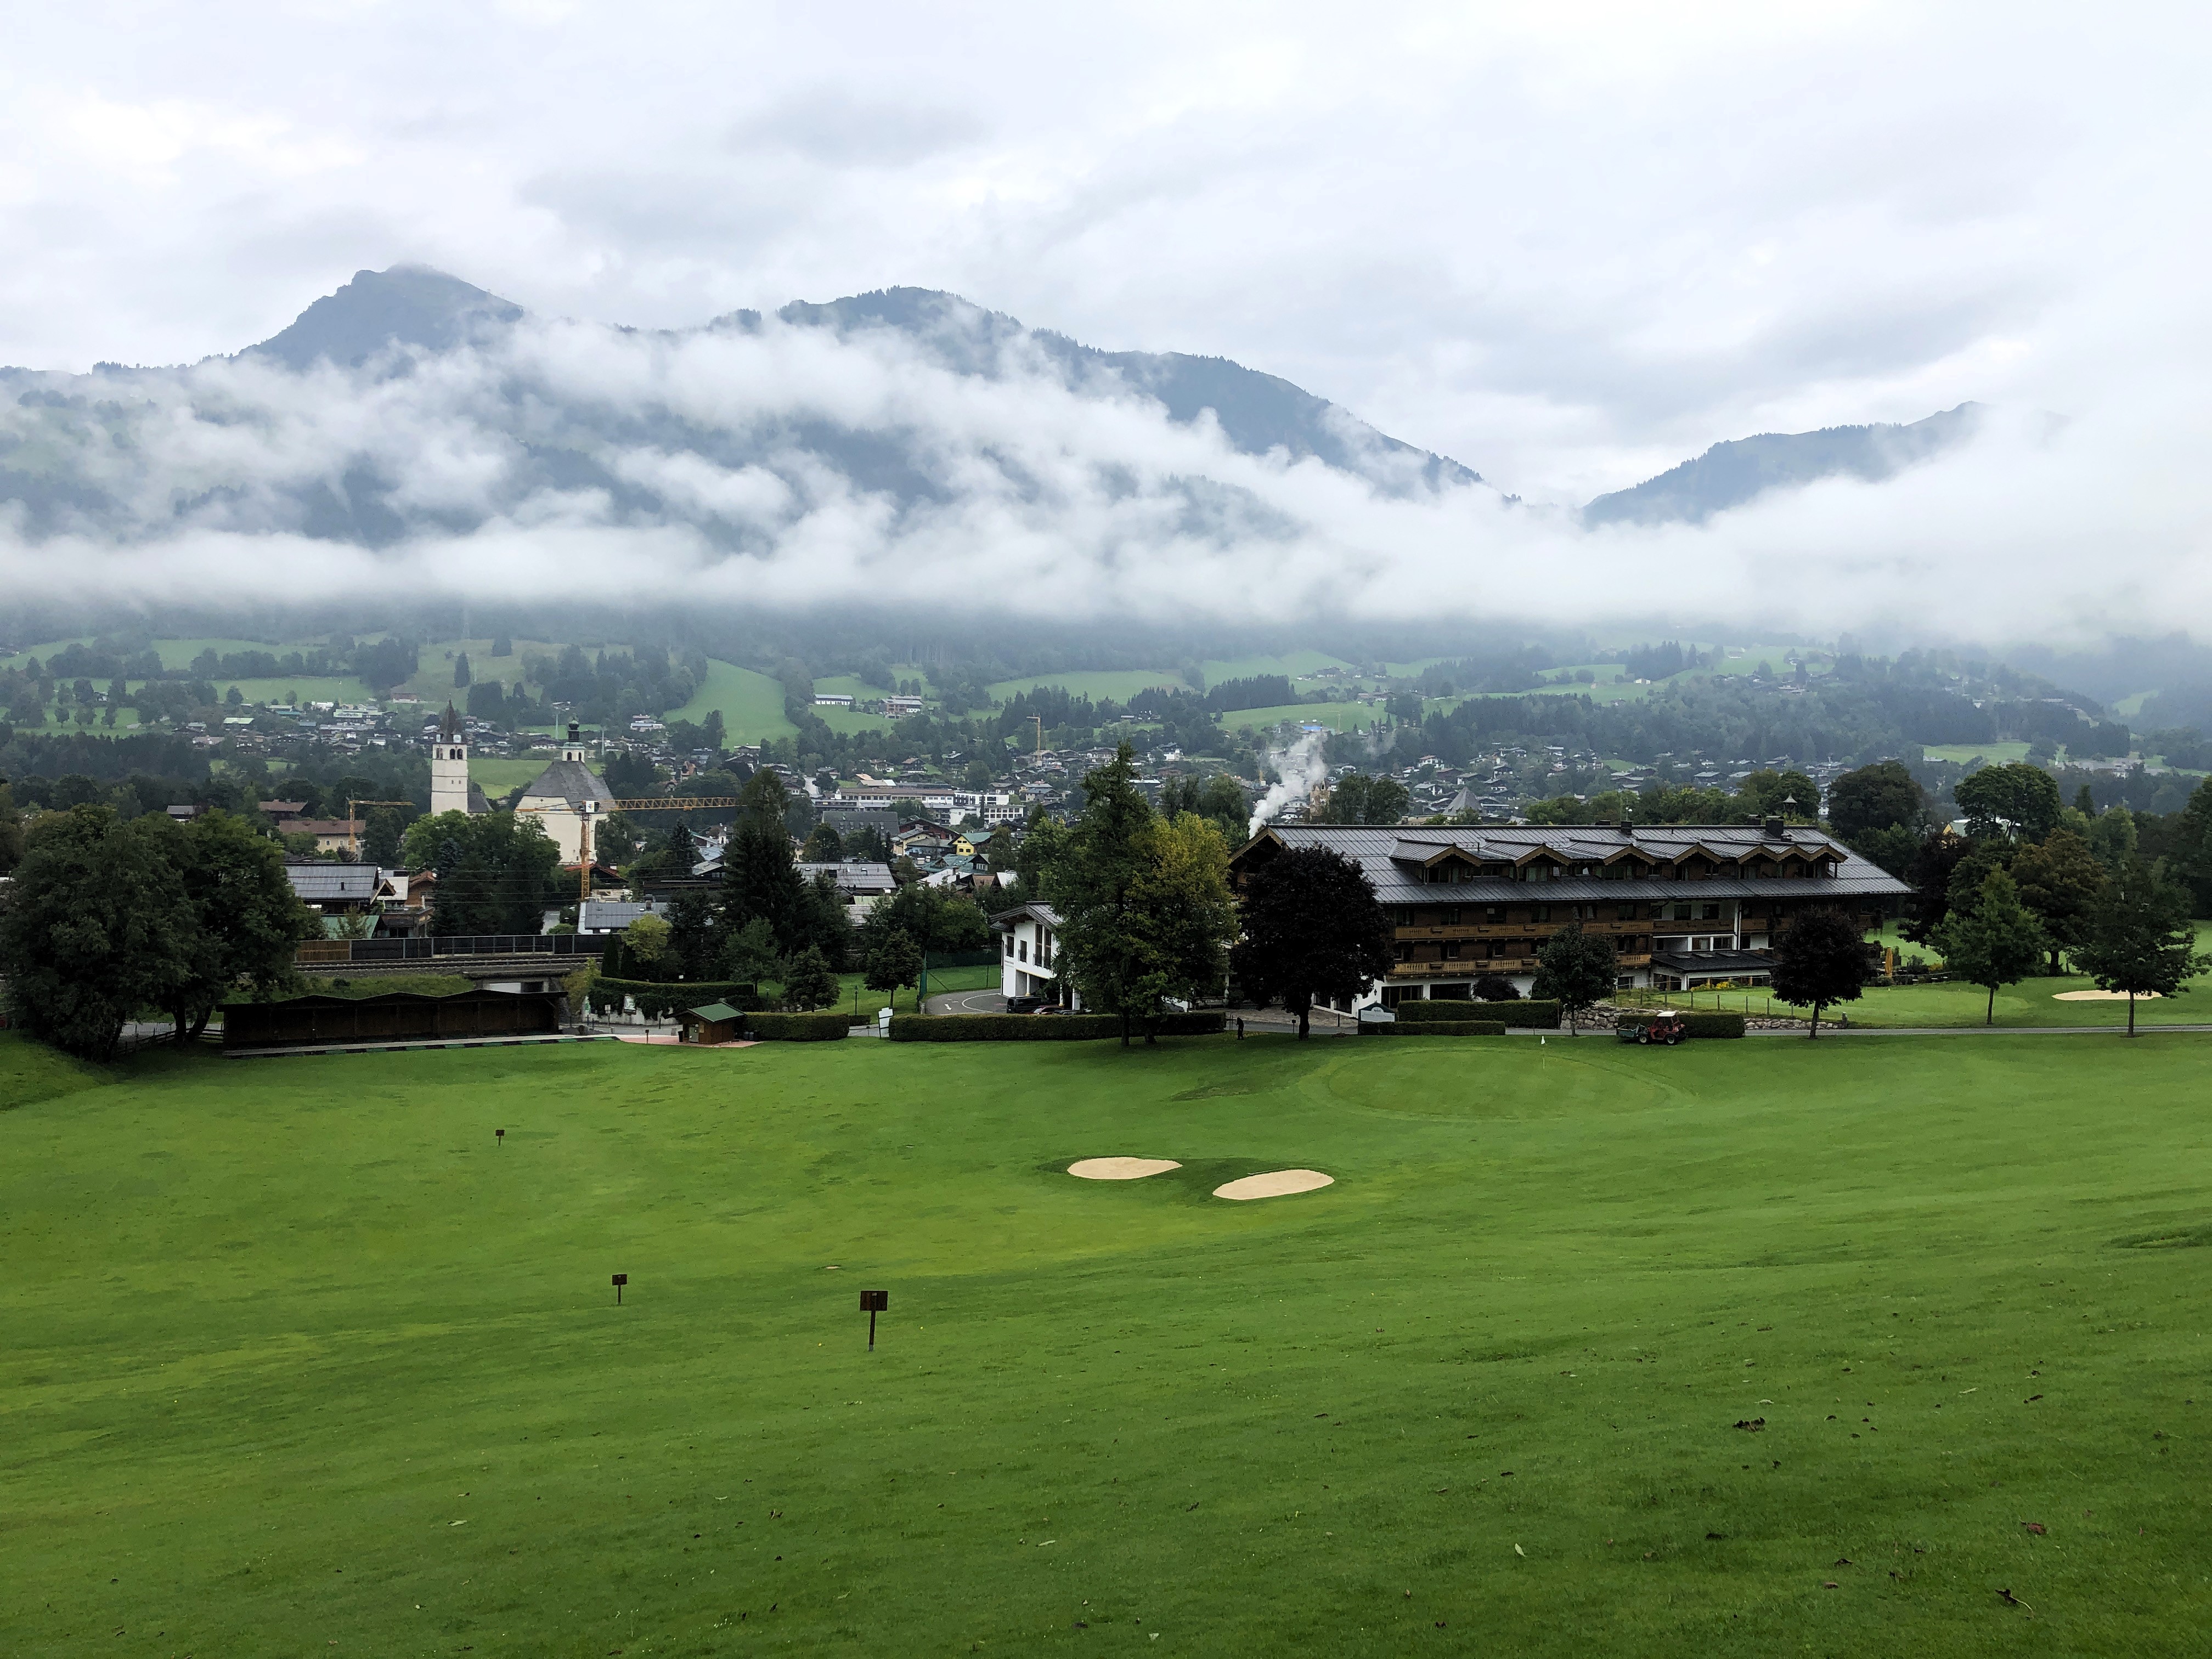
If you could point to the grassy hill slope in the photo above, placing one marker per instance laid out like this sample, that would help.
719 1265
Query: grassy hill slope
1738 1348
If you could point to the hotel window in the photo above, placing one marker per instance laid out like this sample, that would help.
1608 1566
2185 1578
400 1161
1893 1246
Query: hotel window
1712 913
1624 913
1451 918
1681 913
1022 951
1451 951
1540 912
1493 913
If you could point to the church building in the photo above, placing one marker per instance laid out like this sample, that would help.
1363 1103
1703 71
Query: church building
450 788
567 796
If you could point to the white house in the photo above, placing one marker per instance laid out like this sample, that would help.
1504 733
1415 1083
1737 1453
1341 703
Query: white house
1029 961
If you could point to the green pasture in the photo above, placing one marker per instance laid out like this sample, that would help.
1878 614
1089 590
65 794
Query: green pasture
1337 716
1293 664
1960 753
433 675
498 776
751 703
849 720
1119 683
1739 1348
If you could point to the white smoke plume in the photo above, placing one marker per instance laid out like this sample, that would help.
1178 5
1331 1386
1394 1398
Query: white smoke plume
1299 769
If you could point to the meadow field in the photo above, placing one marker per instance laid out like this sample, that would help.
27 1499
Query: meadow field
1870 1348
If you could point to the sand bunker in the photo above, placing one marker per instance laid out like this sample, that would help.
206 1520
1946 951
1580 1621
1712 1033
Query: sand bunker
2102 996
1276 1183
1121 1168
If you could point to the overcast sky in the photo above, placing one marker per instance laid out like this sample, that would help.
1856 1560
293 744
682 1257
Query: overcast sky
1568 246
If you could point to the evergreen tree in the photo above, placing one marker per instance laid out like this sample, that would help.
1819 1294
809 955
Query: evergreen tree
1820 960
11 832
1311 929
809 983
1998 943
461 670
759 880
749 955
895 961
2140 937
502 647
1576 970
1109 851
695 933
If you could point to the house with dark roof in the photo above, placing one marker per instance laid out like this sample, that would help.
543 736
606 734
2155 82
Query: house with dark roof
1686 906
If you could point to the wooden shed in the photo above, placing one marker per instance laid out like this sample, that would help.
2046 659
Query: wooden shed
393 1017
715 1023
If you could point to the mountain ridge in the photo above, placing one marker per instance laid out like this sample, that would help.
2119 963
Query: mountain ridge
1739 469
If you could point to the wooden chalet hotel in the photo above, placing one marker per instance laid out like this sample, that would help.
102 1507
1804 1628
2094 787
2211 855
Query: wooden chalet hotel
1686 905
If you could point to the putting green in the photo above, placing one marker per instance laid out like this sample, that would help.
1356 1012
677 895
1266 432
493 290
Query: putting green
1590 1349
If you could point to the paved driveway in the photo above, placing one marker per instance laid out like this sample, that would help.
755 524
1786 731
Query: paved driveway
968 1002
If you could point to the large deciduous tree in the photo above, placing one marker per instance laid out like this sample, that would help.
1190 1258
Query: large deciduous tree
1312 928
1184 917
248 922
96 929
1821 960
497 873
2140 937
2016 799
1358 799
1576 970
2061 881
1878 797
1996 943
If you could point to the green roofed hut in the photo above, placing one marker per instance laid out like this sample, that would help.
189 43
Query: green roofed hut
715 1023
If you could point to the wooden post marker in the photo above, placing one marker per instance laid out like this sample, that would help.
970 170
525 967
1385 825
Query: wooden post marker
871 1303
499 1136
621 1280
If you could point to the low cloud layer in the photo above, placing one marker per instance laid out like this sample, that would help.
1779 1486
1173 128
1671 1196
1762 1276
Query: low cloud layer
792 467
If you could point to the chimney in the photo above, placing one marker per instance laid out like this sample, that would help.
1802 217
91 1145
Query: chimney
1774 828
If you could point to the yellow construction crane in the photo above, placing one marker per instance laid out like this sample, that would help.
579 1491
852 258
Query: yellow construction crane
353 817
651 803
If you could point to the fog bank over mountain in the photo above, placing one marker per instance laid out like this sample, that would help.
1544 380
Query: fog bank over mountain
908 448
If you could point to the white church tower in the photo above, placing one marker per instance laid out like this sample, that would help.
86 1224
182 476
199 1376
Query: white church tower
449 768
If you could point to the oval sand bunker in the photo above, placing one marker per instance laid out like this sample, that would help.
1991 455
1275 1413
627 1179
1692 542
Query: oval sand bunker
1121 1168
2102 996
1276 1183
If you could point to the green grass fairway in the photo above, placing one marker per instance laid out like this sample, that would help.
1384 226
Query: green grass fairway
1337 716
751 703
498 775
1740 1348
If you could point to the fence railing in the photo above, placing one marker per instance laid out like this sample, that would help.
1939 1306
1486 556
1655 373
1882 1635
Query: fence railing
326 952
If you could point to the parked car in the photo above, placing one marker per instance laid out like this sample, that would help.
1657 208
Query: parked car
1025 1005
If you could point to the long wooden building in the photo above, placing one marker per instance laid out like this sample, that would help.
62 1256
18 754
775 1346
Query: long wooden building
1686 905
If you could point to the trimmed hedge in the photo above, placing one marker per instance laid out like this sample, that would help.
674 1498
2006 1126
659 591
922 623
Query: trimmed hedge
659 998
1697 1026
1451 1011
1043 1028
1449 1028
798 1028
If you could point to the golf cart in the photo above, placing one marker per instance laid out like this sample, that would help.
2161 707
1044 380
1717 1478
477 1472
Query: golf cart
1665 1027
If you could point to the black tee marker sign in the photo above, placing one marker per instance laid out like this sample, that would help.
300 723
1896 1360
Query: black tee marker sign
871 1303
